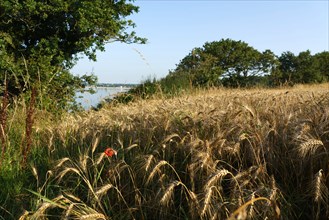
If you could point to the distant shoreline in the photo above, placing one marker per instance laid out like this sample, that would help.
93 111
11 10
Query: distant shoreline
128 85
101 92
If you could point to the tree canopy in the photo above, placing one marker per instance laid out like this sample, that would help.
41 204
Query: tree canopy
41 40
301 68
234 63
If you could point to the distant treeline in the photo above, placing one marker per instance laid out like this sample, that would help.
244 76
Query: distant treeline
236 64
115 85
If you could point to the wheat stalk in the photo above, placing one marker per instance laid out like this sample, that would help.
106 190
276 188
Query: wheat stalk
194 199
61 162
192 172
251 210
250 110
274 190
69 195
41 210
156 170
309 147
148 162
69 210
241 212
103 190
221 173
83 162
100 158
95 144
65 171
96 216
35 174
168 193
131 147
207 199
25 216
320 189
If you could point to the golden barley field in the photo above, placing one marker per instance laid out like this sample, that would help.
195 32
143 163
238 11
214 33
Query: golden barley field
211 154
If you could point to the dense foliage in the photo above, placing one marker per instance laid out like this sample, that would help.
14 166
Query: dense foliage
231 62
303 68
41 40
236 64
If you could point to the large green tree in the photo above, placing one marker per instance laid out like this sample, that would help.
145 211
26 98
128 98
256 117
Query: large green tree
40 40
230 62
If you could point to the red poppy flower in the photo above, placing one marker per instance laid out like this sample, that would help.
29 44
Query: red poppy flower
110 152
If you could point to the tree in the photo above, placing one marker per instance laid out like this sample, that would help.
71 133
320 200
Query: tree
303 68
41 40
306 68
287 70
232 63
321 65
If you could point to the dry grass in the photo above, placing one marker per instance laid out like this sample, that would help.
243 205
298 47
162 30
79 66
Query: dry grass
214 154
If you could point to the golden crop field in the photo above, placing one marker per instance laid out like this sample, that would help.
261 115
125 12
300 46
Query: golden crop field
213 154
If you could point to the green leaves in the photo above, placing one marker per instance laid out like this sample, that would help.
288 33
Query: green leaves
226 62
303 68
235 63
42 38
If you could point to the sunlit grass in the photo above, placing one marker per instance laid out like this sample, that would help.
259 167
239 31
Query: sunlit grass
210 154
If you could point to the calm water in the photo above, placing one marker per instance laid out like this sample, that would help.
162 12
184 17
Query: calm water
88 100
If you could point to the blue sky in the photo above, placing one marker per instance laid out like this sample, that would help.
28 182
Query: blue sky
174 28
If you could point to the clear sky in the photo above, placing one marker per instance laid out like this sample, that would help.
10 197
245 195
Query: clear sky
174 28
